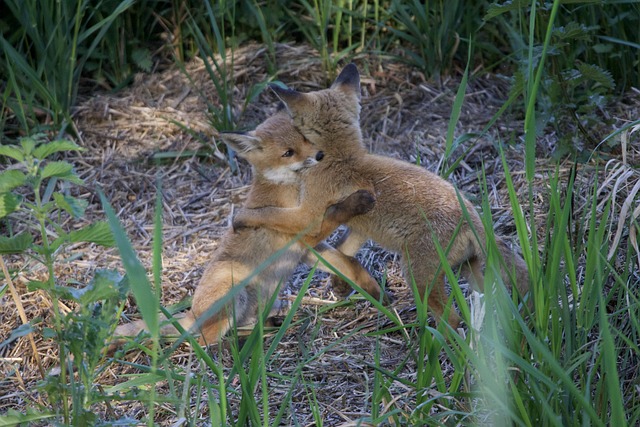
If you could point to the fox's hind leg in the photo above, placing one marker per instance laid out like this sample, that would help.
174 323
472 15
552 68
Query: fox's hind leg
349 267
215 284
348 245
472 271
429 278
132 329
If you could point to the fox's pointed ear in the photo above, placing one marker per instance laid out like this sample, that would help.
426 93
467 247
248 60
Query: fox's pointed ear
348 79
291 99
241 142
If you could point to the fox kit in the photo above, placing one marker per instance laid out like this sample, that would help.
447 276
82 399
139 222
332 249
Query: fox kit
277 153
413 206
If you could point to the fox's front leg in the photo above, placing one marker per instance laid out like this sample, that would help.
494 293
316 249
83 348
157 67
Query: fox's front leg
296 220
358 203
284 220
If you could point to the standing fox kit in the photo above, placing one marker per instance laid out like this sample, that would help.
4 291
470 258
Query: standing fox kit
413 208
278 153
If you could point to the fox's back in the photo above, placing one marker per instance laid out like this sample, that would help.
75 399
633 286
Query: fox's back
412 203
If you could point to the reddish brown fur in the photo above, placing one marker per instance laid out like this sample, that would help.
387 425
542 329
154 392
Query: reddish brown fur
243 251
414 207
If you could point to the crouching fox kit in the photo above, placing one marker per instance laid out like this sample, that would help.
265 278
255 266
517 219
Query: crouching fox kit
413 208
277 153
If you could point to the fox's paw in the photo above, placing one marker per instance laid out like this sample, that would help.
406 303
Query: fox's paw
278 312
358 203
340 287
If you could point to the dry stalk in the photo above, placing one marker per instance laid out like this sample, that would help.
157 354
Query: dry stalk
21 312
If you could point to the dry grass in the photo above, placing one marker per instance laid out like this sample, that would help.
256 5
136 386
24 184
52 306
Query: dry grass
404 116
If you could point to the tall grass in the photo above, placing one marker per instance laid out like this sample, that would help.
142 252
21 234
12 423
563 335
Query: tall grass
45 58
430 30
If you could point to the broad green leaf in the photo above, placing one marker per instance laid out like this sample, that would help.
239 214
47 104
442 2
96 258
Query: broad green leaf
142 381
36 285
498 9
140 285
59 241
142 58
11 179
71 205
28 144
104 285
573 32
58 169
62 170
597 74
16 244
11 151
45 150
95 291
98 233
14 418
8 203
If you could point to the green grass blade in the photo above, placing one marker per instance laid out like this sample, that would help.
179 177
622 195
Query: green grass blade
610 370
140 285
455 114
534 87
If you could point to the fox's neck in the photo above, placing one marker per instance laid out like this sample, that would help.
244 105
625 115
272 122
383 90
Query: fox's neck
345 147
264 192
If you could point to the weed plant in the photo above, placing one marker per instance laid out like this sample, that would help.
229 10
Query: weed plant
80 334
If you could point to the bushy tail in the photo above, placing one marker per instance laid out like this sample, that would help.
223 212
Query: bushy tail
186 320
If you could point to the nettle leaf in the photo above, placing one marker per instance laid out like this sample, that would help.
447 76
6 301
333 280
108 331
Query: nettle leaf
602 47
498 9
597 74
9 203
62 170
98 233
104 285
11 151
45 150
11 179
57 169
59 241
574 31
142 58
16 244
28 144
71 205
37 285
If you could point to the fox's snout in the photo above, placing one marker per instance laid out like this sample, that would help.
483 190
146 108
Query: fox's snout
319 155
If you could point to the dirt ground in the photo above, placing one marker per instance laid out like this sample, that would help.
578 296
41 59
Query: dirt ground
404 116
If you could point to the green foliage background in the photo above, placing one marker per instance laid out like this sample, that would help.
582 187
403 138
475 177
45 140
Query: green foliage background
52 49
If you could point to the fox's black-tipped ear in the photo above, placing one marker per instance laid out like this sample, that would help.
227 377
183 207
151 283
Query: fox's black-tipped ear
240 142
349 78
291 98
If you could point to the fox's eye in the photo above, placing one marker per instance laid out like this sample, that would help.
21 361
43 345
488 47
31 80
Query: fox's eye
288 153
